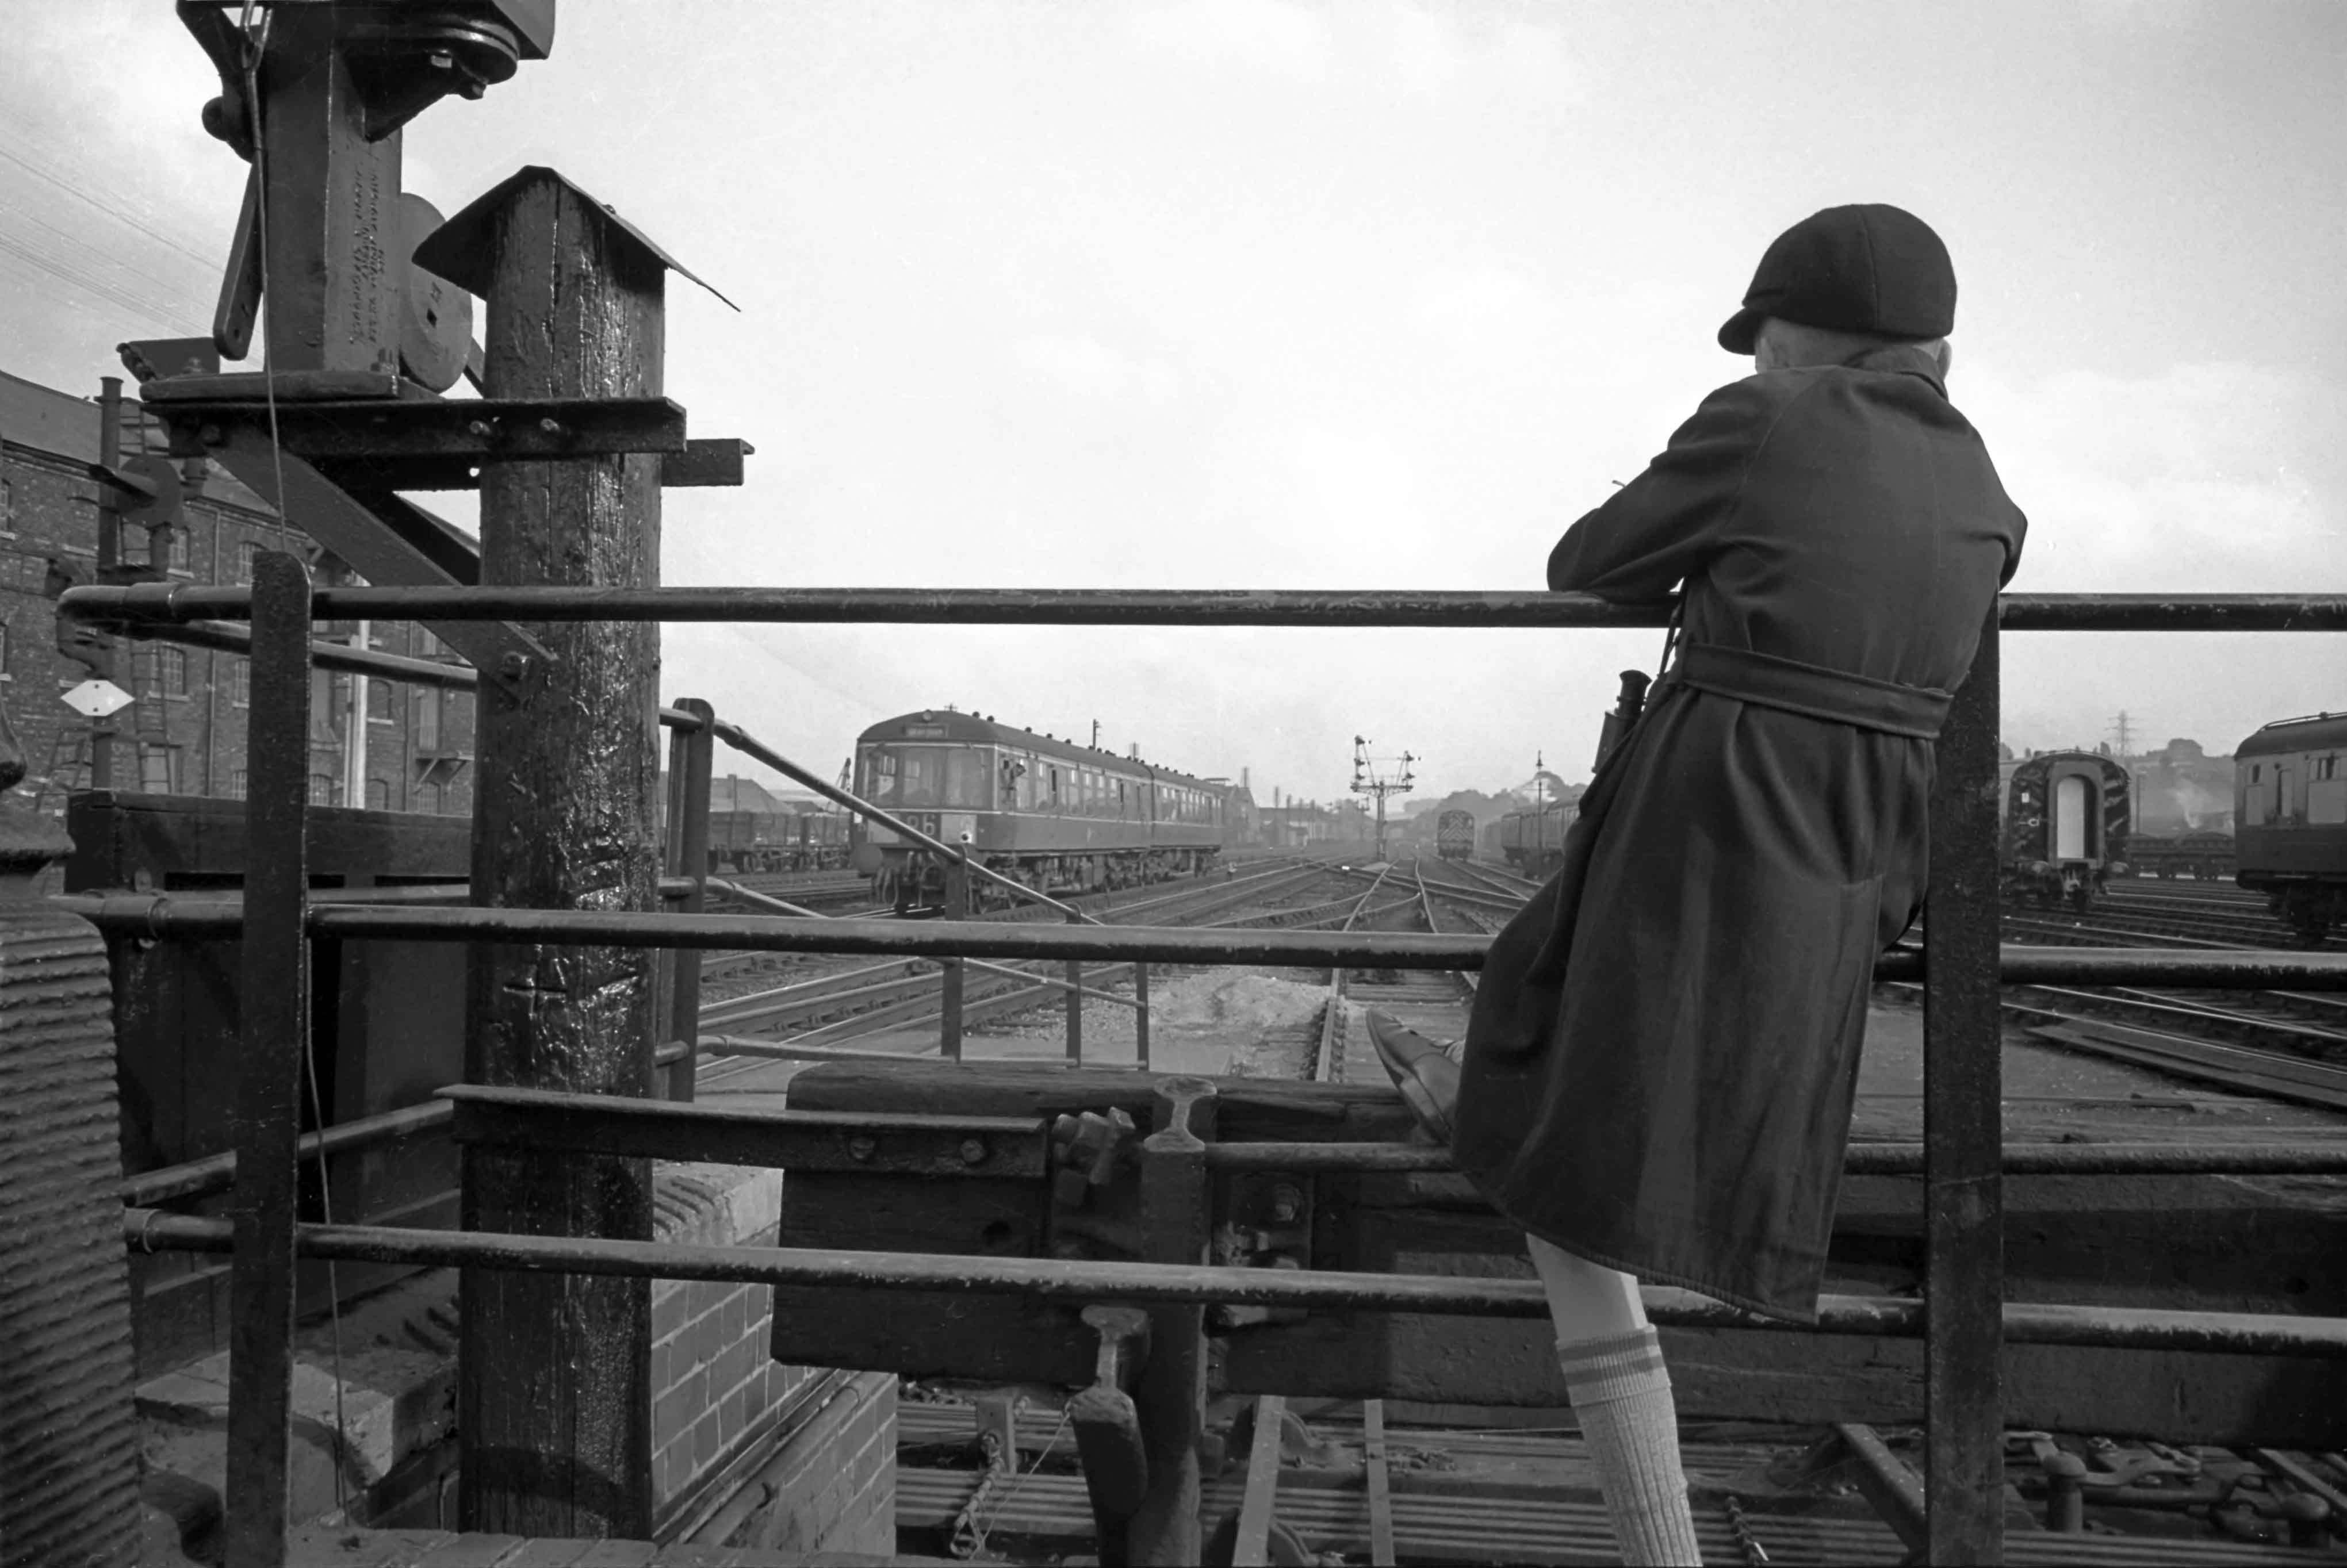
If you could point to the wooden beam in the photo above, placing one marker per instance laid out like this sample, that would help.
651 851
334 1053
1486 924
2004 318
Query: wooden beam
1252 1550
1380 1483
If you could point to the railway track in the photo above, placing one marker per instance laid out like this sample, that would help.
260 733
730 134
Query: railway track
814 1015
2288 1046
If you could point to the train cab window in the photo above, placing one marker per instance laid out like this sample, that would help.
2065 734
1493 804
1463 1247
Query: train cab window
966 770
880 777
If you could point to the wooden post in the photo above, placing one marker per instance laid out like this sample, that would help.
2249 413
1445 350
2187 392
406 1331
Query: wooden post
1171 1394
1075 1006
695 752
274 1040
1964 1281
1141 1015
956 907
554 1396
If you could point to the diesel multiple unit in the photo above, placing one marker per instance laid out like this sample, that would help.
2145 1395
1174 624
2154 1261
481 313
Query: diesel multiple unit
1059 816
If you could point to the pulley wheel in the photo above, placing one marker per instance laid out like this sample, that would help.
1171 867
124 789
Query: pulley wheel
435 322
160 509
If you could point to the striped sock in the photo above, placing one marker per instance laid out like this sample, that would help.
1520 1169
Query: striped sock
1621 1395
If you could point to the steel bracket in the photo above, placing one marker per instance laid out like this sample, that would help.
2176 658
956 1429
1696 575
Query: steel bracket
379 549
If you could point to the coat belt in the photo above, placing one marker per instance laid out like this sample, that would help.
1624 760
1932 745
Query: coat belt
1813 689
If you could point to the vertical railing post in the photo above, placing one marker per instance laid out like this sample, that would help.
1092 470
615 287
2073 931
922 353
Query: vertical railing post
1141 1015
1075 1004
956 907
1964 1282
1171 1392
694 755
273 1044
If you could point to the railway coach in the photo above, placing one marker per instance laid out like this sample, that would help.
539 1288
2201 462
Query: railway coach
2068 816
1059 816
2290 818
1533 841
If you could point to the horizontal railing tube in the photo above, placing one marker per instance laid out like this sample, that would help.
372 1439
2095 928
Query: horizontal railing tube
1862 1160
155 917
2025 1323
1149 607
229 639
216 1173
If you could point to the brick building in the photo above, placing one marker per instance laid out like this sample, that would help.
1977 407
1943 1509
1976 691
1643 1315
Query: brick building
185 733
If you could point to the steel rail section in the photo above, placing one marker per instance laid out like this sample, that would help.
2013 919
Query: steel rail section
1147 607
161 917
1887 1159
2025 1323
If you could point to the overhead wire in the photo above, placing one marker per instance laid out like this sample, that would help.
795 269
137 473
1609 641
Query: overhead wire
121 215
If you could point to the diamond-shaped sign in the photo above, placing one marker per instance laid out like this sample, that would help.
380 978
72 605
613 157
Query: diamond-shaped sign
97 699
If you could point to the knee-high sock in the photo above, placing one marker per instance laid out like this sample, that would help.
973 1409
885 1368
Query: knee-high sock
1621 1395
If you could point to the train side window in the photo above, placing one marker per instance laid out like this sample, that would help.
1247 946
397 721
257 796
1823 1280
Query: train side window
1055 789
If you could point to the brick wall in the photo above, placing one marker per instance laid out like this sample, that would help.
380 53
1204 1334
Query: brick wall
187 736
746 1453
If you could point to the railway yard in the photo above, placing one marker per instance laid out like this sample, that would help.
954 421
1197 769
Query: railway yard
1318 1479
458 1111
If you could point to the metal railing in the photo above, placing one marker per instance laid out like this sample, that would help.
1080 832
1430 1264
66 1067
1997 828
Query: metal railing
1962 1318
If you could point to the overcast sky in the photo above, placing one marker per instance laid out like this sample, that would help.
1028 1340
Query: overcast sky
1265 293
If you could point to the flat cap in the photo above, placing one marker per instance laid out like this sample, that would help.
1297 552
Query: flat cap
1867 268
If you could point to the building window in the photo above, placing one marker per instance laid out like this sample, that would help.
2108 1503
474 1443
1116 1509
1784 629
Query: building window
8 508
5 651
239 685
428 719
236 783
379 695
157 768
379 794
171 670
322 789
428 646
176 551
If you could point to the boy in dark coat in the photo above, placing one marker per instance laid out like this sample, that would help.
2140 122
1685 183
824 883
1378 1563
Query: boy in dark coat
1680 1115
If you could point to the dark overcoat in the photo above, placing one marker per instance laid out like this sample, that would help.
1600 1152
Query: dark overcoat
1660 1067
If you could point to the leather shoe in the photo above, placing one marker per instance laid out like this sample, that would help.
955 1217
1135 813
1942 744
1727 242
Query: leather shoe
1424 1072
